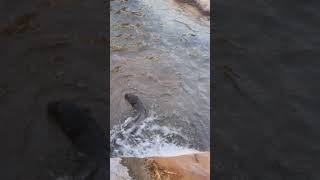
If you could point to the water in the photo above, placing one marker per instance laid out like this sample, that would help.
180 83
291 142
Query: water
117 170
160 52
151 139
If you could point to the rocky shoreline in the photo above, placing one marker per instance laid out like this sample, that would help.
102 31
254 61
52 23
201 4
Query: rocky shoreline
183 167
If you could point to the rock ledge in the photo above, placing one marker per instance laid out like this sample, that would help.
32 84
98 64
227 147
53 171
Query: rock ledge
183 167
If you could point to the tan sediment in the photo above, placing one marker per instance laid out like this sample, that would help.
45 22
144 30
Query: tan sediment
137 168
183 167
191 7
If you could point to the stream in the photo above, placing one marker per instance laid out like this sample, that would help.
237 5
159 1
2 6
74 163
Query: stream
160 51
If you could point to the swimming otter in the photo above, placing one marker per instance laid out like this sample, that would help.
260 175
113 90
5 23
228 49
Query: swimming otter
137 105
132 126
78 124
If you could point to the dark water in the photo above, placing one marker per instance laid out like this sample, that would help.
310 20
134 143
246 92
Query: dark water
160 52
266 56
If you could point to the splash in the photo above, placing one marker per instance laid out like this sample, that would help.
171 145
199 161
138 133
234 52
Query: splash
148 139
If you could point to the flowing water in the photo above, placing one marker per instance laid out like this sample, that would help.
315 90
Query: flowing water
159 52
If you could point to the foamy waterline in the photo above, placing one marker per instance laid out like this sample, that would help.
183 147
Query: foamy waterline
117 170
150 139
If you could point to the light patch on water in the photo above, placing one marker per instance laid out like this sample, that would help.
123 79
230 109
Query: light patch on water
117 170
147 139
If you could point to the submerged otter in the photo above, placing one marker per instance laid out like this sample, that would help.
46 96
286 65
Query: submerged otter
137 105
78 124
130 129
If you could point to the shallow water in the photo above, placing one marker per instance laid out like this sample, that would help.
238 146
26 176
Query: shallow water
160 52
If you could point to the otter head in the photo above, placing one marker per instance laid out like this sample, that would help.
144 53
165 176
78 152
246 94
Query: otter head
132 99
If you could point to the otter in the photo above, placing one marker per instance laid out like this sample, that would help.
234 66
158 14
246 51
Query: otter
140 114
137 105
83 131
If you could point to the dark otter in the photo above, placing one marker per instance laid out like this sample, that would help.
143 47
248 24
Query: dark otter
78 124
137 105
141 114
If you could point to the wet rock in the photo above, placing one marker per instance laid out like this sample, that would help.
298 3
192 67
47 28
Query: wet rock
183 167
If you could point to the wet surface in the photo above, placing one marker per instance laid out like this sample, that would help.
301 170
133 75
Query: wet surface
160 52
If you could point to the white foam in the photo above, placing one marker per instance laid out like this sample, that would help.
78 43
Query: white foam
162 149
150 139
117 170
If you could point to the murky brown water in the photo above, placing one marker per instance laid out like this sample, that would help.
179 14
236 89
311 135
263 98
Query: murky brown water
160 52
